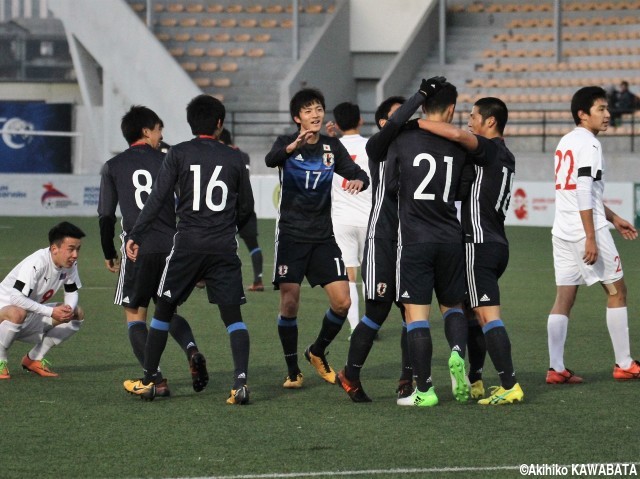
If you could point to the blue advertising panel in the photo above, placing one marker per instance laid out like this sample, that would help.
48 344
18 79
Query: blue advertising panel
24 153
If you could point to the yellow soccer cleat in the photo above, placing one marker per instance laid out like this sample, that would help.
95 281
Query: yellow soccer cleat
500 396
321 365
477 389
239 396
293 383
136 387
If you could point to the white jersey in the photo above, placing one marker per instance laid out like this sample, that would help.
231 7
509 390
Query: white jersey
348 209
38 278
579 153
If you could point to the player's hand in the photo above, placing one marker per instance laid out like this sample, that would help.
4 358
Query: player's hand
113 264
132 250
590 251
332 129
625 228
354 187
62 313
433 85
303 137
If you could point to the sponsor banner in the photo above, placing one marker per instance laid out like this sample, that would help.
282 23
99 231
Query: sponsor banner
49 195
533 203
34 153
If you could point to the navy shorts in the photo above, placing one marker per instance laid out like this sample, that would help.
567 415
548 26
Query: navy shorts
428 267
379 269
221 273
138 281
321 262
485 264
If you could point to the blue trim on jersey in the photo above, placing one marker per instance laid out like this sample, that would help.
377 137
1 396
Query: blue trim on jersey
287 323
451 311
334 318
131 324
254 251
404 324
491 325
239 326
418 324
159 324
368 322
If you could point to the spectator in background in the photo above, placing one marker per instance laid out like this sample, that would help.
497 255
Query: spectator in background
249 232
623 101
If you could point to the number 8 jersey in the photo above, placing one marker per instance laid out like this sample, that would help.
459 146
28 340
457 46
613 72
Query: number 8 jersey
579 153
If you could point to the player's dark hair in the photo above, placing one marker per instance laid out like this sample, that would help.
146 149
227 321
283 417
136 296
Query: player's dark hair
439 102
584 99
135 120
347 116
204 113
496 108
382 113
225 137
303 98
63 230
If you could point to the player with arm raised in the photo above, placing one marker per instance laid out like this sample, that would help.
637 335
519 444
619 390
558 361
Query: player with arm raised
583 248
380 251
26 315
305 245
127 180
486 246
215 198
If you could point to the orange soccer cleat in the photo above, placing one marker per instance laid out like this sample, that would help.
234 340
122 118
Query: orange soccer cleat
565 377
41 368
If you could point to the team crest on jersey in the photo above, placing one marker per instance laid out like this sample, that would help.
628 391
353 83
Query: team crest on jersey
381 289
63 276
283 269
326 147
327 159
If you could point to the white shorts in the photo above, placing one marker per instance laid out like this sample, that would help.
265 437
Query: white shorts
571 269
350 239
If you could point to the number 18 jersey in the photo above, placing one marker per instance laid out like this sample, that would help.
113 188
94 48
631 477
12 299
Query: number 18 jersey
579 153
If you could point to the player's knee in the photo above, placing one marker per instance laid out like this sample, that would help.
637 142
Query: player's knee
78 314
341 305
14 314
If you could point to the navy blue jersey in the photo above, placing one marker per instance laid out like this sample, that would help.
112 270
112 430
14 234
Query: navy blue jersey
383 221
306 175
214 196
127 179
430 168
485 207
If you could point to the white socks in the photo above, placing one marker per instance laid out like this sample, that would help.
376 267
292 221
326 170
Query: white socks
53 337
557 335
618 326
354 311
8 333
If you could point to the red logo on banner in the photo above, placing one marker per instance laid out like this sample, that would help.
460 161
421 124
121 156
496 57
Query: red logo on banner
520 204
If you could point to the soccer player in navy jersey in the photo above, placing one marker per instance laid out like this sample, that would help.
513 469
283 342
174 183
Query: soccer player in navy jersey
215 199
486 245
430 248
379 265
127 180
305 245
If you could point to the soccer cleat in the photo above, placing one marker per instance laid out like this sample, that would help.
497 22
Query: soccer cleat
500 395
565 377
632 372
41 368
199 374
325 371
419 399
162 389
4 370
459 380
404 389
146 392
477 389
293 384
239 396
353 388
256 286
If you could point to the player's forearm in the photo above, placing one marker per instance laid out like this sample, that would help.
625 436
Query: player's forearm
467 140
609 214
277 156
21 301
587 223
71 298
107 232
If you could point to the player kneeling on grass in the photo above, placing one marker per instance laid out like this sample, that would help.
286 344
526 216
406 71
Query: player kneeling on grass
24 316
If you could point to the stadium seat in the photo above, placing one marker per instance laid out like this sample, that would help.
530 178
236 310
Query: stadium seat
175 7
242 37
229 67
208 22
274 9
138 7
235 52
158 7
268 23
189 67
182 37
221 82
169 22
262 38
249 23
255 52
234 8
286 23
195 8
228 22
257 8
221 37
202 37
215 52
195 52
208 66
188 22
176 51
202 82
215 8
163 37
317 8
